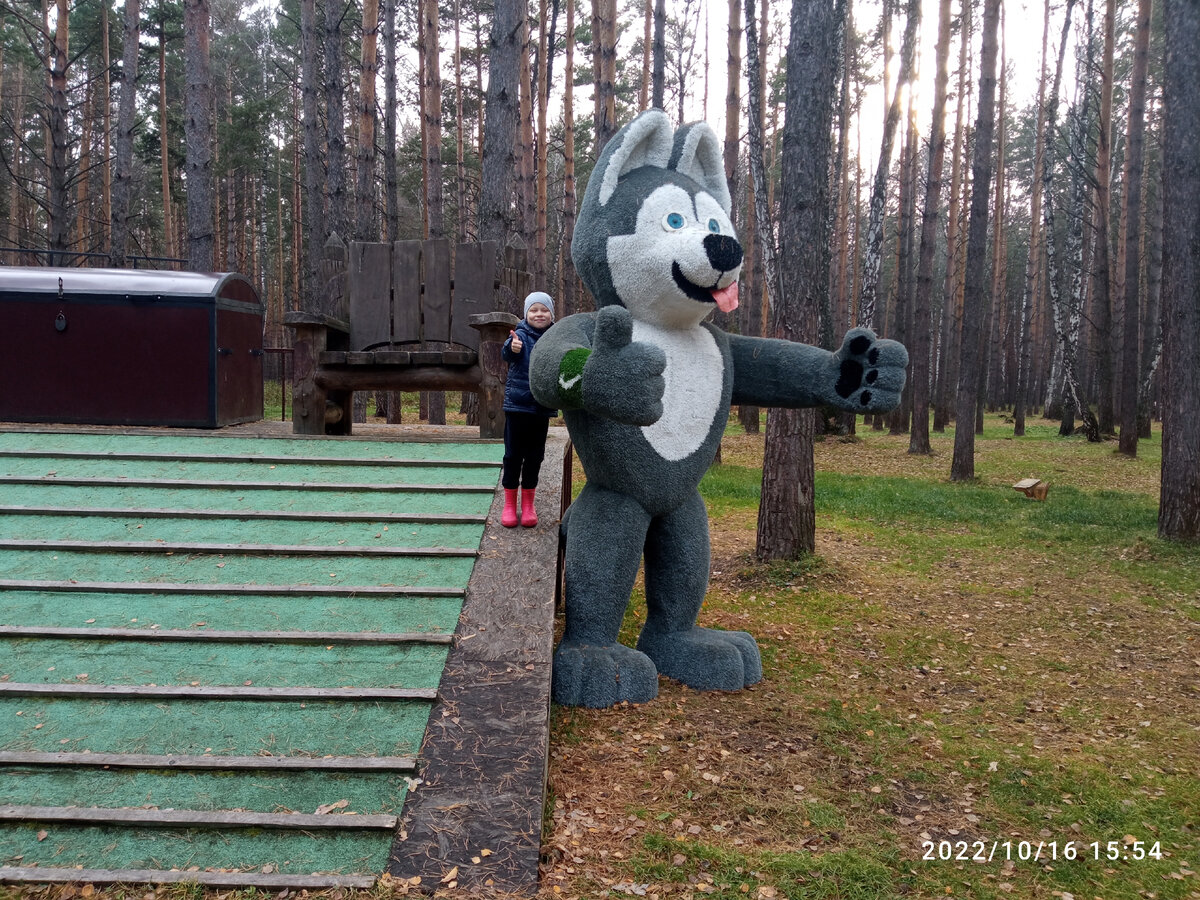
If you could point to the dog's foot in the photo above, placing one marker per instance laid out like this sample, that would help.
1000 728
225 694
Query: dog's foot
705 659
602 675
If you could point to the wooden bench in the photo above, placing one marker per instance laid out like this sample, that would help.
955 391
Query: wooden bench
394 316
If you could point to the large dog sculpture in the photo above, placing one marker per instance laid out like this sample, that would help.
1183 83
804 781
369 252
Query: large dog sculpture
645 385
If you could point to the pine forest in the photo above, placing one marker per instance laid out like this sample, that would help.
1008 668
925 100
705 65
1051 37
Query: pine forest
1010 189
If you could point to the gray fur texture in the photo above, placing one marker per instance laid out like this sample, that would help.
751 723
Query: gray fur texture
645 385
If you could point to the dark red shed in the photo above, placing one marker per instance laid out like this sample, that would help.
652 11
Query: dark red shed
129 347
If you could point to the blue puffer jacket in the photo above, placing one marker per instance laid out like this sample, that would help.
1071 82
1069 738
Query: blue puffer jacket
517 396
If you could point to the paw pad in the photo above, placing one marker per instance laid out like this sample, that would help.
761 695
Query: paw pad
865 399
849 378
860 344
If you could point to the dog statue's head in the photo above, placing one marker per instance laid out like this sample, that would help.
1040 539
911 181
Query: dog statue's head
654 231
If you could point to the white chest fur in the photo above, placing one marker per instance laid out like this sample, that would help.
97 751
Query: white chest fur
693 378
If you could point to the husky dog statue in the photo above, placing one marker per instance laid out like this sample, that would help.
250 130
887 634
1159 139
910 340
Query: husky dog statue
645 385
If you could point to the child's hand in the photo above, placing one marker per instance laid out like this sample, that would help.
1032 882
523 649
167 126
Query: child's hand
517 344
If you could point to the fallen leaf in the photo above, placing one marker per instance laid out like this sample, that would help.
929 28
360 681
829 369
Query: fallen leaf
326 808
43 834
450 876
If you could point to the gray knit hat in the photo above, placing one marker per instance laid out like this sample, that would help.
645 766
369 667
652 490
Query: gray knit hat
540 297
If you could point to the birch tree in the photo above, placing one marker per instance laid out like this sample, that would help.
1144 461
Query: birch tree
1033 258
1063 325
873 252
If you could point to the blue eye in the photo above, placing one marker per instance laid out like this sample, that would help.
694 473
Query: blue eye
714 226
673 221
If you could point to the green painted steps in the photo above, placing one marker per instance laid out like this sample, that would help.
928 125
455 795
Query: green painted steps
236 500
47 443
234 567
229 647
128 525
188 609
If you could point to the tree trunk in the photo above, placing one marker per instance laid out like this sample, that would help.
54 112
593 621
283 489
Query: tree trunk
433 123
314 174
947 371
1151 330
873 253
763 228
57 194
500 122
1179 507
123 164
905 264
1064 317
841 233
647 44
540 266
1033 259
568 279
1101 265
995 309
786 517
733 112
106 184
527 215
970 350
604 36
12 230
364 199
391 183
660 56
198 132
1134 152
460 142
335 125
919 345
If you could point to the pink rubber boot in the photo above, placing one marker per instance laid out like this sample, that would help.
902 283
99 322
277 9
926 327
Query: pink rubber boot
508 518
528 513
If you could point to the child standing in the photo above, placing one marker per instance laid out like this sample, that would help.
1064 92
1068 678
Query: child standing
525 420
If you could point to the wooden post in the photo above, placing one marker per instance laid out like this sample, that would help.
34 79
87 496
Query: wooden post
493 330
310 401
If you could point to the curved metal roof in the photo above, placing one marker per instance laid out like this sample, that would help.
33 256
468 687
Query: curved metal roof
43 279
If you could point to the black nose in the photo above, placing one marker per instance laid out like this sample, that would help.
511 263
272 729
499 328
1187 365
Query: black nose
724 252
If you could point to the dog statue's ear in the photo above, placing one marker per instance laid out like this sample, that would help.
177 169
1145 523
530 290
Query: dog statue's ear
697 154
646 141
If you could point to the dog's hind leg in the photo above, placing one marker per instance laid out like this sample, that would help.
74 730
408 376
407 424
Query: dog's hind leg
604 541
677 558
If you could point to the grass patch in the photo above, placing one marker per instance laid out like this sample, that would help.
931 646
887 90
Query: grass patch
957 662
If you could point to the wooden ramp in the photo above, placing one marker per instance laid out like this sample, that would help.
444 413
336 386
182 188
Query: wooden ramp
220 657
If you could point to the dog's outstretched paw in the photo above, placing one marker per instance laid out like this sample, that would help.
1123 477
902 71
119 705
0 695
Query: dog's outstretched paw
870 372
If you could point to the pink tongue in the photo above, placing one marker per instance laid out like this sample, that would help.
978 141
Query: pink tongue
727 297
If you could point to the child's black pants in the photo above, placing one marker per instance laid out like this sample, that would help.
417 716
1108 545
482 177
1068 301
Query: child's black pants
524 449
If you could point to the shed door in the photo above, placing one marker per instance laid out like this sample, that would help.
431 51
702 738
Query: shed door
239 366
